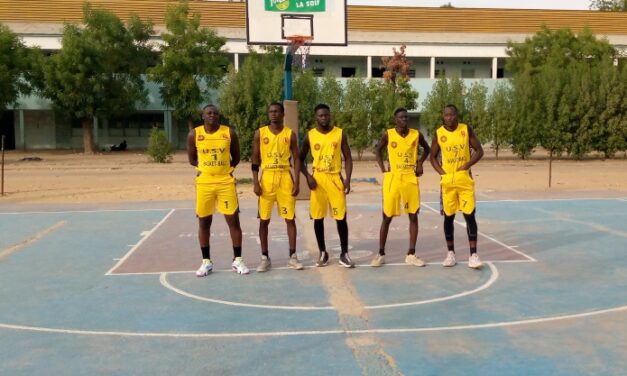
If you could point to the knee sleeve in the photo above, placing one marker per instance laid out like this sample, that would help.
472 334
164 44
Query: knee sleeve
449 232
471 226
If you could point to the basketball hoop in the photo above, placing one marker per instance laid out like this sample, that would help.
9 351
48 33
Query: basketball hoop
298 47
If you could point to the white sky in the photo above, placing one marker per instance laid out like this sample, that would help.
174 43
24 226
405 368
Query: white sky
526 4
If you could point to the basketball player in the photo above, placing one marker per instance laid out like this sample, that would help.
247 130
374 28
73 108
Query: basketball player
214 150
274 147
328 144
400 182
455 141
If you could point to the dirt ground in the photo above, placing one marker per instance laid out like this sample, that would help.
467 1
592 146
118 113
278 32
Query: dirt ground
71 177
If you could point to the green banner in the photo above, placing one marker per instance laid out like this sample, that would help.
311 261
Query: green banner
295 5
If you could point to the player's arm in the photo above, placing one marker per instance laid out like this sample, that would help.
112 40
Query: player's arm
433 155
235 156
426 149
296 164
255 163
348 162
192 153
378 151
477 149
311 182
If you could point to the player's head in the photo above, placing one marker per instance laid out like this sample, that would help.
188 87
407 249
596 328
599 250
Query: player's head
210 115
276 113
401 117
322 112
450 115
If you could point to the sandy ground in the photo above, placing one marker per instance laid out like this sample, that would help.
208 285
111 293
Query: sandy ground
66 177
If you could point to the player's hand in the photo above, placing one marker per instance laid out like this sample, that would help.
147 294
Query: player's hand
347 186
257 188
419 170
295 189
311 182
463 167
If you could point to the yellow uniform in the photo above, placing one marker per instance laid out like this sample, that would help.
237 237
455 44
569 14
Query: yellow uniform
276 179
326 166
458 188
400 184
214 180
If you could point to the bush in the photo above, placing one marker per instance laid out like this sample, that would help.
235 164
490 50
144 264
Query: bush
159 149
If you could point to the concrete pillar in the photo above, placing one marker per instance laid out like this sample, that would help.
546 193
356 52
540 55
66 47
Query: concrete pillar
291 121
495 66
236 62
432 67
21 138
369 66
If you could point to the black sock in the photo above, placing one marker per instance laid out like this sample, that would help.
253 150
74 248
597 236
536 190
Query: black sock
451 247
342 230
237 252
412 251
382 251
292 251
319 230
264 253
473 251
205 252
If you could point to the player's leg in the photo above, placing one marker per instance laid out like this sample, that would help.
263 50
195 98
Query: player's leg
205 203
317 210
265 263
467 204
391 205
337 202
286 204
379 259
472 230
266 203
410 200
229 206
450 201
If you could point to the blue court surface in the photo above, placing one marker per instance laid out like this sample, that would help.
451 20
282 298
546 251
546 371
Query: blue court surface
112 291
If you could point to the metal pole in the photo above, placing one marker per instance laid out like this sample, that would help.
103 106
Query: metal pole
2 178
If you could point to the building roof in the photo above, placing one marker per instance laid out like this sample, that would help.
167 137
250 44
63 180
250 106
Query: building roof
221 14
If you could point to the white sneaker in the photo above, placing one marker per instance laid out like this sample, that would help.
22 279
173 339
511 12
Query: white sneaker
450 259
474 261
239 267
293 263
205 268
414 260
377 261
264 265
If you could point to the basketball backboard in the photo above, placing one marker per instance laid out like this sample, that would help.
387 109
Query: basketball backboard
273 21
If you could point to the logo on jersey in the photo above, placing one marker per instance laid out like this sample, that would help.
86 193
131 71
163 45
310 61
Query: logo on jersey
266 141
443 139
317 147
413 143
393 145
334 145
225 136
463 133
201 137
286 140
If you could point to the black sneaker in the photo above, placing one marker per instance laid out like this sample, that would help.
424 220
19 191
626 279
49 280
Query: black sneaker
323 260
346 261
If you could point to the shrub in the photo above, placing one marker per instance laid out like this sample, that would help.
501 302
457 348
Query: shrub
159 149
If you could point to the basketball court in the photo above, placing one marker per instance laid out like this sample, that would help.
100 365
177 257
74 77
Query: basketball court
109 290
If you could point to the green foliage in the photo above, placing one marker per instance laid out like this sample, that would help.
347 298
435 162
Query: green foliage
444 91
193 63
609 5
330 93
355 115
500 115
159 149
246 94
98 70
476 105
16 67
307 93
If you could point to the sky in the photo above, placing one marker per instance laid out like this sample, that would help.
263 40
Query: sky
518 4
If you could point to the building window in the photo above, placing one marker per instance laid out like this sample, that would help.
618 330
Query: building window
440 73
139 124
348 71
377 72
318 72
500 73
468 73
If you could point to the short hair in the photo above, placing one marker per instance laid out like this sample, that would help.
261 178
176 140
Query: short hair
400 109
321 106
277 104
210 105
450 105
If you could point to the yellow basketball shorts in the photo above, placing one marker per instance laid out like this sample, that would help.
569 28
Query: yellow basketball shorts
276 186
209 193
400 190
458 192
329 193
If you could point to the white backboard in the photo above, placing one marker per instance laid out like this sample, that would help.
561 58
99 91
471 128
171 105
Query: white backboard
272 21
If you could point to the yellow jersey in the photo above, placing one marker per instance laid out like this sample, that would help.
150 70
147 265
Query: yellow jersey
275 149
403 151
455 147
214 154
326 150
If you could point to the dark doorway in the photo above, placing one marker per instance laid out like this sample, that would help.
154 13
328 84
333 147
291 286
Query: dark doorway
7 129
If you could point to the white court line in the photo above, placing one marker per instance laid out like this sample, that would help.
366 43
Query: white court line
317 332
146 236
543 200
85 211
163 279
487 236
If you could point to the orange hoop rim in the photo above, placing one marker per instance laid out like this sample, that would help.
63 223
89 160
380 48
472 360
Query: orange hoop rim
299 40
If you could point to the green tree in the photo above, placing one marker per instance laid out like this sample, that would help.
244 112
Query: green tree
306 92
500 113
476 105
331 92
355 115
609 5
246 94
159 148
98 71
613 115
192 63
16 67
444 91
